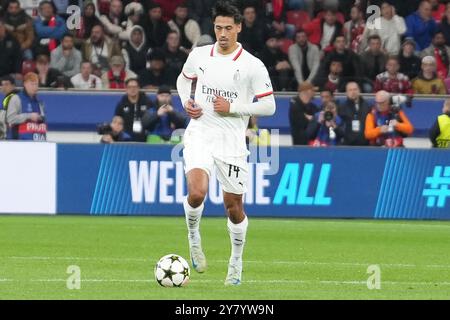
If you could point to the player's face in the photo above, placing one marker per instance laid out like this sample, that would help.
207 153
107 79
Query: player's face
226 31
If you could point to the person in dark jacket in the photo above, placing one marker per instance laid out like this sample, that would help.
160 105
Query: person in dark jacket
175 57
156 29
410 64
132 107
277 63
137 50
301 113
353 111
10 53
163 120
253 31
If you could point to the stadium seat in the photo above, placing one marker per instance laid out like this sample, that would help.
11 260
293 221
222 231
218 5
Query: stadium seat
285 44
297 18
28 66
339 15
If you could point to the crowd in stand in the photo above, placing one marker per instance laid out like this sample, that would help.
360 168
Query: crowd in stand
323 45
325 42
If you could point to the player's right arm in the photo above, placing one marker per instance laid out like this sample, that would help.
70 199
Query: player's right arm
184 86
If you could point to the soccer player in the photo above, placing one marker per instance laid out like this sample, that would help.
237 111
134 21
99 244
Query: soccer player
228 80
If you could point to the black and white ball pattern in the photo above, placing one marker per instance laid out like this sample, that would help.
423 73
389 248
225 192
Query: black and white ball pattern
172 270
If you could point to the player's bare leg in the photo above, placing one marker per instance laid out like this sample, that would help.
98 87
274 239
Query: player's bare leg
237 228
197 182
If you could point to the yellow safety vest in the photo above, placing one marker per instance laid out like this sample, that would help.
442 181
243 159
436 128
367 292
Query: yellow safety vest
443 140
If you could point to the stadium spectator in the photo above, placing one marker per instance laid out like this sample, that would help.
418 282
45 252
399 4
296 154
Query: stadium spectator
351 62
373 59
156 74
409 62
169 7
391 80
132 107
385 126
353 111
277 63
117 75
112 21
66 58
10 53
445 24
275 15
187 28
200 11
8 88
437 10
49 77
326 128
20 26
392 27
175 57
114 132
256 136
31 7
163 119
304 58
440 131
99 48
441 54
421 26
87 21
155 28
254 31
354 29
325 97
26 113
323 32
102 6
136 50
85 79
50 28
133 12
333 80
301 112
427 81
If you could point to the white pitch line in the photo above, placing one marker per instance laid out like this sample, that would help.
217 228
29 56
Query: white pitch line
151 260
273 281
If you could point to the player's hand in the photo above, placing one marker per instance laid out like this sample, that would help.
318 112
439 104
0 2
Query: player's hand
221 105
193 110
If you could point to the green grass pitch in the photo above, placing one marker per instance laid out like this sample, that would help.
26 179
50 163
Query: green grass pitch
284 258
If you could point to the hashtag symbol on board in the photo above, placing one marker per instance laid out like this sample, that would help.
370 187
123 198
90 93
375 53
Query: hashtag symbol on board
439 187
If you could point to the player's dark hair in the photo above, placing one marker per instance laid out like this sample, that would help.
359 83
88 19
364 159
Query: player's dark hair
227 9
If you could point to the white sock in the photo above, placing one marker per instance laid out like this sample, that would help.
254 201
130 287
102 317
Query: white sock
237 236
193 216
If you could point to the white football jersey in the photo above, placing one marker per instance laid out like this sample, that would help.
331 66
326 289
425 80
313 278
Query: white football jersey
238 77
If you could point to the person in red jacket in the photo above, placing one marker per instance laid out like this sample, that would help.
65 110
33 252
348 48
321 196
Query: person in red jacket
323 31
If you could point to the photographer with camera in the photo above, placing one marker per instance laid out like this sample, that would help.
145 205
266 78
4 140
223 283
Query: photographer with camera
327 128
387 124
113 132
440 132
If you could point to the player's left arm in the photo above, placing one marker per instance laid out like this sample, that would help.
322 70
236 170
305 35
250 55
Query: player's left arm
262 87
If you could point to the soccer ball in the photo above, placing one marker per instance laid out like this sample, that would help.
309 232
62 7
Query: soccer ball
172 271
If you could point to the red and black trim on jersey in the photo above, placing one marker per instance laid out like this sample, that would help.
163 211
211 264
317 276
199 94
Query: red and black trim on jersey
189 78
238 54
262 95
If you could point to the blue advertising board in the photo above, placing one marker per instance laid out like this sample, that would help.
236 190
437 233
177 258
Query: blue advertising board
131 179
